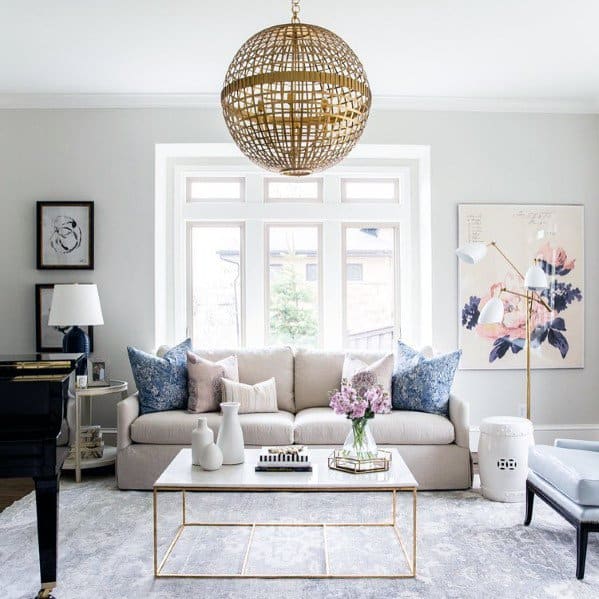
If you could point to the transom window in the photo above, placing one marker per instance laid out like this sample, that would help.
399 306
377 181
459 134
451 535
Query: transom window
325 261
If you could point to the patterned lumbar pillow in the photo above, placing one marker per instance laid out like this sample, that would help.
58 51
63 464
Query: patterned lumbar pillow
161 382
423 384
382 370
261 397
205 381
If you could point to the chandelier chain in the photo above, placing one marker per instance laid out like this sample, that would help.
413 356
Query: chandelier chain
295 8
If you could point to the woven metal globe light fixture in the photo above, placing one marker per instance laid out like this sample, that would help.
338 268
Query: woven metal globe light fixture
296 98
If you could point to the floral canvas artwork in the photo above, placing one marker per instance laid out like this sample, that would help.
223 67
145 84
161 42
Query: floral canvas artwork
553 236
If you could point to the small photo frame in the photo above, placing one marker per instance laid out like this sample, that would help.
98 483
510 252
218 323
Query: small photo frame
97 373
49 339
65 235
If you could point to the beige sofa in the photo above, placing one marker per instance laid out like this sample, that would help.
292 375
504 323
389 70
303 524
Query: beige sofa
434 447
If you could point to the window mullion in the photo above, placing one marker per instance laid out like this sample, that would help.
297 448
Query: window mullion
255 281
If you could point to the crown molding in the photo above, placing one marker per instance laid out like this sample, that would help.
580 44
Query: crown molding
379 103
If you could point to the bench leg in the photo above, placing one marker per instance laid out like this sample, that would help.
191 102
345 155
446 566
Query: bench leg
582 535
530 499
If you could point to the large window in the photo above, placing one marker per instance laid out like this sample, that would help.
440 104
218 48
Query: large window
293 297
370 299
335 260
215 284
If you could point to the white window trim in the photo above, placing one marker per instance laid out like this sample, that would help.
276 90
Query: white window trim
173 162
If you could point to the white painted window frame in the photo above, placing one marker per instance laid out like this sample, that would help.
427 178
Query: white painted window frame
176 162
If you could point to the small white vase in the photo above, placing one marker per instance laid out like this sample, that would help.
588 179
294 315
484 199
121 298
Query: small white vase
201 436
230 435
211 457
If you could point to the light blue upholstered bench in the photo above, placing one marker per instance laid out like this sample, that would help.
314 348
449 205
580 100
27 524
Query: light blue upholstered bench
566 476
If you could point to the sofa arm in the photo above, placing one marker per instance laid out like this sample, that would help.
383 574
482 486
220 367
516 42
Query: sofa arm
127 411
459 414
577 444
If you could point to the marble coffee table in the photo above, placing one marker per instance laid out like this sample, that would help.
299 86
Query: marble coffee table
182 477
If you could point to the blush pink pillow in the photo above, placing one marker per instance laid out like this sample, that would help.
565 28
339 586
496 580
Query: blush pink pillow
205 381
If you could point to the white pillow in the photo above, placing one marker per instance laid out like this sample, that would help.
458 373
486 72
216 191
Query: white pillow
382 369
261 397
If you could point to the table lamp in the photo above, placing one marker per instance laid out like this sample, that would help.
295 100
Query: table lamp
75 306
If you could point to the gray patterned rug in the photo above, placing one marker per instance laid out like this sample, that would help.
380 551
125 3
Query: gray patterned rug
467 547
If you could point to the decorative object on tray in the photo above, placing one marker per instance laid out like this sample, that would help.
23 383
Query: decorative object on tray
81 381
65 235
50 338
292 458
552 236
91 443
98 373
360 400
230 435
74 306
340 460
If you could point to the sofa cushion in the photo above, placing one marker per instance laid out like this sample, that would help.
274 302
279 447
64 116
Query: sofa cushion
321 426
257 365
174 427
573 472
318 372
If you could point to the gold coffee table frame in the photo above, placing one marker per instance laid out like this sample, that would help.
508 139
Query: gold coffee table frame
159 564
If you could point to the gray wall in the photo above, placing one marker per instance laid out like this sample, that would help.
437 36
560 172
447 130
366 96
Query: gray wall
108 156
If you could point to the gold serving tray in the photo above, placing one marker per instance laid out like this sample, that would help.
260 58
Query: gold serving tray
339 460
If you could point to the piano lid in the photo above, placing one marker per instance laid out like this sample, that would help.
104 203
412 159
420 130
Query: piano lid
55 362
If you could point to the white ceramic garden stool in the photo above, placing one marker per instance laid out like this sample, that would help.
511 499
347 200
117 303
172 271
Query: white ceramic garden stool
503 457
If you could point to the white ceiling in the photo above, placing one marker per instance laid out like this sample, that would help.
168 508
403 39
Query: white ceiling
502 50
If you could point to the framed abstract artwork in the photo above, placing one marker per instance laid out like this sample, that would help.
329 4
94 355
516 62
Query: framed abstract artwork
65 235
47 338
553 235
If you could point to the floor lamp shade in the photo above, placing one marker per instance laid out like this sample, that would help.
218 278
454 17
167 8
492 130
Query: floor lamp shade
75 306
471 253
535 279
492 312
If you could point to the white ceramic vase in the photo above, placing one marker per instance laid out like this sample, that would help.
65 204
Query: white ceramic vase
201 436
230 435
211 457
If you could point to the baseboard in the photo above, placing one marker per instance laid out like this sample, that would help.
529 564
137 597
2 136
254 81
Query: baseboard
547 433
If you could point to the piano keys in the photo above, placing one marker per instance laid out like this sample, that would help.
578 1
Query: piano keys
34 391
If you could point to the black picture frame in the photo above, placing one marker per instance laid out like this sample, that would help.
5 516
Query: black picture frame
71 236
40 346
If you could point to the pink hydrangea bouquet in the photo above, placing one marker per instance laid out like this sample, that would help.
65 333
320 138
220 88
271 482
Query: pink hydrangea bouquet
360 400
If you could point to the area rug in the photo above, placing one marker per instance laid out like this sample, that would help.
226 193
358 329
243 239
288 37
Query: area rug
467 547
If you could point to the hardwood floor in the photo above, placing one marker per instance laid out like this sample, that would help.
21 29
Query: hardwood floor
12 489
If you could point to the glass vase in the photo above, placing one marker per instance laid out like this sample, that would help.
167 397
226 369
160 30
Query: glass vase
360 443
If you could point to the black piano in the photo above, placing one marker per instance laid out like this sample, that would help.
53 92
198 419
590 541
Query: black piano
34 391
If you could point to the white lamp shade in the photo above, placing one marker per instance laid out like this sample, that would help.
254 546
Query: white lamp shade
492 312
471 253
75 305
535 279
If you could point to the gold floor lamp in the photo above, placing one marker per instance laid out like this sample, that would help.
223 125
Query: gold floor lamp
492 312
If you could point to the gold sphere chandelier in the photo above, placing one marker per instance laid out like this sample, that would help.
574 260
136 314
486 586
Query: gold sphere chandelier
296 98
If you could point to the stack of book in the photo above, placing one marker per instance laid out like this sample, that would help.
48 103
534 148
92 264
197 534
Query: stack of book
91 443
293 458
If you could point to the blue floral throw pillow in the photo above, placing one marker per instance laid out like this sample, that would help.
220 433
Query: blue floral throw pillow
161 382
423 384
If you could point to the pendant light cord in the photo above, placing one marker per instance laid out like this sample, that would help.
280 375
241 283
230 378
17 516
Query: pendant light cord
295 8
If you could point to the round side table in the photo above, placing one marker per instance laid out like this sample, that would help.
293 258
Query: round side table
109 454
503 457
